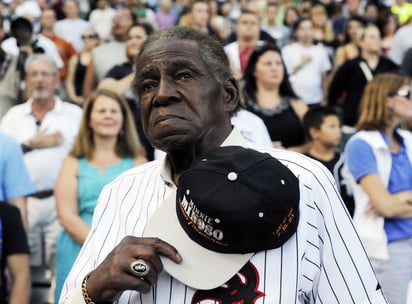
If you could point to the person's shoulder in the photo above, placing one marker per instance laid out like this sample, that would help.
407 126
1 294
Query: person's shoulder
72 108
6 140
104 47
404 30
304 167
387 61
138 171
83 22
16 110
71 161
231 45
290 46
246 115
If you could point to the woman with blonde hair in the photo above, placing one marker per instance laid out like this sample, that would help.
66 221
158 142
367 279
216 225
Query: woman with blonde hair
322 29
106 145
379 159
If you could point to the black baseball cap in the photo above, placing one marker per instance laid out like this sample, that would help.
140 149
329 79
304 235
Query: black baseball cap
230 204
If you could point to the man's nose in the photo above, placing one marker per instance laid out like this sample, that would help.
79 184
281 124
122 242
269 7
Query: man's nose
166 93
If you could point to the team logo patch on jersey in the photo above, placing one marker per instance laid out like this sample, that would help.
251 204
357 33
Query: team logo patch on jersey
241 289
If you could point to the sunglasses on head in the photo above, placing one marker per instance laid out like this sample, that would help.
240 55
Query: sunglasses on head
401 93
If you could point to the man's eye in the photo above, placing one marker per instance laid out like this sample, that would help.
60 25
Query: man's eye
184 75
147 86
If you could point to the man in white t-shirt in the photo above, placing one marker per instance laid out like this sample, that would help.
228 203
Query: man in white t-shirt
307 64
72 27
45 126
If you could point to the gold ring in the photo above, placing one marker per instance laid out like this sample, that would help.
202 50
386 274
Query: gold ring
139 268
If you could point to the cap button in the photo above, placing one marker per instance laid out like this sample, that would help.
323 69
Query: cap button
232 176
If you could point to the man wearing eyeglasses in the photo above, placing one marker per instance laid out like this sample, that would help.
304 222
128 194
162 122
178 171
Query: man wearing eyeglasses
45 126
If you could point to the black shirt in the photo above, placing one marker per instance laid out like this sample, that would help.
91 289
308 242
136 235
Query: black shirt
13 241
350 82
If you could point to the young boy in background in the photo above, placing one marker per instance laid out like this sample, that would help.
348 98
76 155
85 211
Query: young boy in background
323 129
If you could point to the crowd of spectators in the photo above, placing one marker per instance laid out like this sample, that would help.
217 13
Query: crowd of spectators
291 57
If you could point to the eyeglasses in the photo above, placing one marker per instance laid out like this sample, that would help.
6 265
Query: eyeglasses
94 36
42 74
401 93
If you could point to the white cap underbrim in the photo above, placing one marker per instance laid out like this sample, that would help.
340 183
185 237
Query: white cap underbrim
200 268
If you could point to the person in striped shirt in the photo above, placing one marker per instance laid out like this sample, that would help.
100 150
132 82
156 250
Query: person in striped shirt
187 95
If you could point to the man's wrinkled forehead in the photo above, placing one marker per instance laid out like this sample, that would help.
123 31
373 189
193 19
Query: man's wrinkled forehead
162 53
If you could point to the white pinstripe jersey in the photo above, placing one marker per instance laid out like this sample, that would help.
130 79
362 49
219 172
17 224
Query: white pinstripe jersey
323 262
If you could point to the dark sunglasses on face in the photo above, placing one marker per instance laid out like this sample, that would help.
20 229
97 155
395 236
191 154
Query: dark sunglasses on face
93 36
401 93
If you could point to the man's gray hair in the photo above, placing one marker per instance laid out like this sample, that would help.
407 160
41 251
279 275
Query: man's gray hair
41 57
211 51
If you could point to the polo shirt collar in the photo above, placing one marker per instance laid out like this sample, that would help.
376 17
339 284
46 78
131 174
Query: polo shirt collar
58 105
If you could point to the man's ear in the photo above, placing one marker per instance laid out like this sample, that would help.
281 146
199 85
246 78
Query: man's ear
231 95
313 132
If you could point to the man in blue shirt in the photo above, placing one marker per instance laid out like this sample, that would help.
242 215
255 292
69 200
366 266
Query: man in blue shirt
15 183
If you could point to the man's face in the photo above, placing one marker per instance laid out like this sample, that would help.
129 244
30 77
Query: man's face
121 22
248 26
181 102
304 32
71 10
41 80
371 41
200 14
330 132
48 19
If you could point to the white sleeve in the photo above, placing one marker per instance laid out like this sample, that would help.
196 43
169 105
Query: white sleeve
75 297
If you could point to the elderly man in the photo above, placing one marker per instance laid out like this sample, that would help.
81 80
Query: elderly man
45 126
307 252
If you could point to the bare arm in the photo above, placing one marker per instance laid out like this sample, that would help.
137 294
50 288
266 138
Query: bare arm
67 202
20 202
119 86
339 57
397 205
303 61
89 79
71 68
19 268
43 140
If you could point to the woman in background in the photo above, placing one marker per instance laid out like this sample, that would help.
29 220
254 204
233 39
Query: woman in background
119 78
388 24
77 67
379 159
349 49
269 94
106 145
322 29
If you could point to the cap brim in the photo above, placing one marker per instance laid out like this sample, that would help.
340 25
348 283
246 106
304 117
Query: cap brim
200 268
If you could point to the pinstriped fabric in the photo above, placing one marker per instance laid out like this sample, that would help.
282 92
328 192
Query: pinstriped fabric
323 262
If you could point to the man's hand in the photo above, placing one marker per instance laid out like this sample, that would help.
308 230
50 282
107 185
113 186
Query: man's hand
304 59
114 275
42 140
